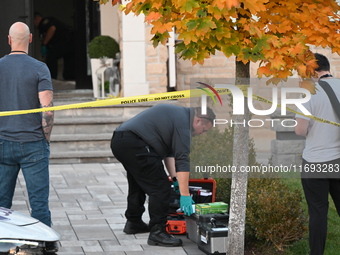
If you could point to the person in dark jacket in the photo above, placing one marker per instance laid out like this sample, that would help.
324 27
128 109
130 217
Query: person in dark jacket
141 144
57 41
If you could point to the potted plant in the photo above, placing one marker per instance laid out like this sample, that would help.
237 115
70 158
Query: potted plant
102 51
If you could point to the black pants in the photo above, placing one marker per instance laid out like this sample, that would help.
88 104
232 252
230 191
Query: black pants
316 192
63 50
145 175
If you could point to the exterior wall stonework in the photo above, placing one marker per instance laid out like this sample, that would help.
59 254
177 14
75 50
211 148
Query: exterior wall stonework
156 67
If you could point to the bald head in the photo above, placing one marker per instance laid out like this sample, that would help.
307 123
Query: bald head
19 36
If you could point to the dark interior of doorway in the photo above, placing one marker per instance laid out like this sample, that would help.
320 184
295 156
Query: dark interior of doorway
84 17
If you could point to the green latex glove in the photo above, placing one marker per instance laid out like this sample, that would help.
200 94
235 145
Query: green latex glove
175 184
186 203
43 50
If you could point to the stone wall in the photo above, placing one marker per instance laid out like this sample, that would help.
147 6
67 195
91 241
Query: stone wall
286 149
156 66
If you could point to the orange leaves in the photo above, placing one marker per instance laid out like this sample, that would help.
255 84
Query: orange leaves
299 16
277 62
284 27
309 85
215 12
286 54
188 37
298 48
188 6
277 32
152 16
201 26
255 6
232 3
302 70
160 27
264 70
201 56
114 2
253 30
222 4
160 38
275 41
311 65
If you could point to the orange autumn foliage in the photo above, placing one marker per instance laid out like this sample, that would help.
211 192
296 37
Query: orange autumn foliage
276 33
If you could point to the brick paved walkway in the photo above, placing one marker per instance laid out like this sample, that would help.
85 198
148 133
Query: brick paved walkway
88 202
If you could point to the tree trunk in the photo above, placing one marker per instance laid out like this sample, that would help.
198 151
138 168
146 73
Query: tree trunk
239 182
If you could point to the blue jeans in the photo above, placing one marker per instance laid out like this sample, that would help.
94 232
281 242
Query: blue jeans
33 159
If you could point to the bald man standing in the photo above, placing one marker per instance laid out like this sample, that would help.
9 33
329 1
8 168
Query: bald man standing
25 83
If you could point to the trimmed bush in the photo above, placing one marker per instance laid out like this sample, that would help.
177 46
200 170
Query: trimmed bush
274 212
103 46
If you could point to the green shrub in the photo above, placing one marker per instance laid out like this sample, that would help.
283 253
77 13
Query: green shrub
103 46
274 212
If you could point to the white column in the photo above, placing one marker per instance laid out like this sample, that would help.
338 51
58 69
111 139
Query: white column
134 55
172 60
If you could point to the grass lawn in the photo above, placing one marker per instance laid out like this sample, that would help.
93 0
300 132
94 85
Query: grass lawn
333 237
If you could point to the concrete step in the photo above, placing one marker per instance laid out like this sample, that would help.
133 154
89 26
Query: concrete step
80 142
83 135
81 95
85 125
115 111
74 157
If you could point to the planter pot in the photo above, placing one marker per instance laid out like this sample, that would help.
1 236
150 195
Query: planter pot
97 67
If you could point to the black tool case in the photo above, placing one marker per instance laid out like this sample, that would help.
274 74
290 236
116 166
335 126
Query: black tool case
194 221
213 234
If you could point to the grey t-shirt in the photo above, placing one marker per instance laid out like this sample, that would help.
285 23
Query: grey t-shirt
167 129
21 79
323 140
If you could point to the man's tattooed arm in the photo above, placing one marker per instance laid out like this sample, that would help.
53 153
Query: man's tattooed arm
46 100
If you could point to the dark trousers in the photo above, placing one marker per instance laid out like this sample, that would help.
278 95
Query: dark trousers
316 192
145 175
61 50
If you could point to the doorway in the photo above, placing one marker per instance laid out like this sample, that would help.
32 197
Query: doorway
83 17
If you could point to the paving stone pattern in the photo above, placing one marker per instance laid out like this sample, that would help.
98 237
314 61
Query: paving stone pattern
87 203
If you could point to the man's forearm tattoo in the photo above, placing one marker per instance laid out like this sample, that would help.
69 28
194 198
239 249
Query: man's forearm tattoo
47 121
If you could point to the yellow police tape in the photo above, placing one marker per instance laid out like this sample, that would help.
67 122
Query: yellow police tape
261 99
152 98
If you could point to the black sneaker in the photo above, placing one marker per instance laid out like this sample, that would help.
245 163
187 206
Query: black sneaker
159 236
136 227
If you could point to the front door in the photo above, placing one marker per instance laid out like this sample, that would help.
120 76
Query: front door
13 11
